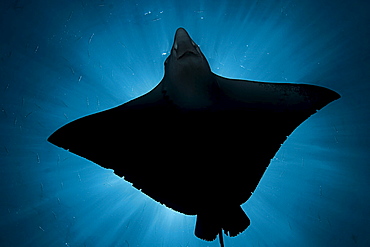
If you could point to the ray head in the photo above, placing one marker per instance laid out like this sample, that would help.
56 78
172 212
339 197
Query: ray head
186 57
188 79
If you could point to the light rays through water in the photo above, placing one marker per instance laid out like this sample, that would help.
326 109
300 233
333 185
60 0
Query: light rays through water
60 61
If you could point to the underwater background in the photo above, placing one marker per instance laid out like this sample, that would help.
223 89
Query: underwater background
61 60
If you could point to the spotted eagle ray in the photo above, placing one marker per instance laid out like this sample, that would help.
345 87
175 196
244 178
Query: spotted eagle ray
198 143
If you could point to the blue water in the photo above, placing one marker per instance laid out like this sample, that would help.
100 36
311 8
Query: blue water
60 60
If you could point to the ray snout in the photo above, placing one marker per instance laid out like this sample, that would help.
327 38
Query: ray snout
183 44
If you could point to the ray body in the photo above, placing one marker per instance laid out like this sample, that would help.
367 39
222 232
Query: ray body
198 143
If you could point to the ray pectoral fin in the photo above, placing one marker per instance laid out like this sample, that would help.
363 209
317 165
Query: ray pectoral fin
83 137
276 97
254 105
99 137
320 96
